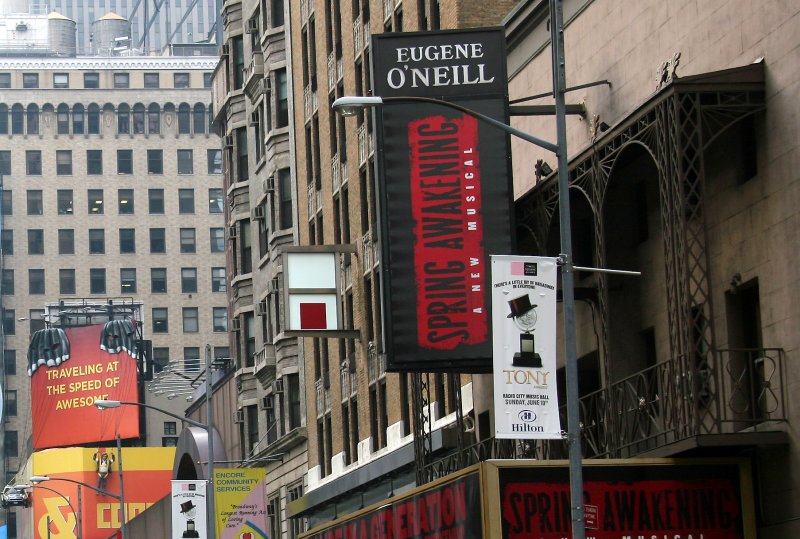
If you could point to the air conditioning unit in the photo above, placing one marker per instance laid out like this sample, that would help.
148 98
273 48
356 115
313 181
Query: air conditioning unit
269 184
228 141
272 287
233 232
252 26
261 308
238 416
277 386
266 85
258 213
226 50
268 403
254 119
236 324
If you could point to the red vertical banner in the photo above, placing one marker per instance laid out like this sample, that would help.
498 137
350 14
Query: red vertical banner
446 204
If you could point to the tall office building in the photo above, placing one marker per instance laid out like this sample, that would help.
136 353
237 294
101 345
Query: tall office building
155 25
111 191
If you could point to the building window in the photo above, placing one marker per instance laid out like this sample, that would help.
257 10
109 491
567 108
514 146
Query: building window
66 281
62 120
151 80
123 119
158 240
199 119
186 200
5 80
191 320
127 279
97 280
185 162
30 80
242 171
122 80
34 199
189 280
274 513
296 525
7 282
9 322
158 280
33 162
36 241
282 99
217 240
188 240
181 80
65 203
97 241
238 62
7 204
33 119
10 361
292 387
207 80
6 242
138 119
95 199
170 428
125 201
124 161
160 320
160 358
155 201
252 428
286 219
216 203
91 80
17 119
220 319
93 119
191 358
5 163
77 119
36 281
184 119
94 162
66 241
155 161
153 120
127 240
214 161
218 280
64 162
11 445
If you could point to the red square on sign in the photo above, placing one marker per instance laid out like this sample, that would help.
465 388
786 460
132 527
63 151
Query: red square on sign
313 316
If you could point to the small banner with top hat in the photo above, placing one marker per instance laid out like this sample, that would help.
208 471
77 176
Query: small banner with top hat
189 509
524 347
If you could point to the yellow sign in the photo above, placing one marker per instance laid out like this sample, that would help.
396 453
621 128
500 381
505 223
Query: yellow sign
240 503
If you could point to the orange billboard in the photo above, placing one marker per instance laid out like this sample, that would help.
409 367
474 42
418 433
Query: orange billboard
147 472
71 369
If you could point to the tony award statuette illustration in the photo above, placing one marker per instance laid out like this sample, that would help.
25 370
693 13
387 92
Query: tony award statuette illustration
523 313
189 511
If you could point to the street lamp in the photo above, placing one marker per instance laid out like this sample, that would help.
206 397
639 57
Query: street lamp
78 519
102 404
350 105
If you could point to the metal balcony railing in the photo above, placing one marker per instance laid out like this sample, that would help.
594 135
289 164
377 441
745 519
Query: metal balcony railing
366 251
388 9
312 201
331 71
362 144
358 32
336 173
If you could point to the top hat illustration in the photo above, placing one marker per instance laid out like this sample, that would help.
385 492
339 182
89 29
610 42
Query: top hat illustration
520 306
187 506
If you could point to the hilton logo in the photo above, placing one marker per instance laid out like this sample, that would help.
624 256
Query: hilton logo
525 427
526 416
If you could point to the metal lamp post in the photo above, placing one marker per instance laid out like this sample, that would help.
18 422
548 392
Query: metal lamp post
349 105
209 427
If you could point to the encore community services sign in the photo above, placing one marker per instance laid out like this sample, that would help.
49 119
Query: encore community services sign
71 369
445 199
653 499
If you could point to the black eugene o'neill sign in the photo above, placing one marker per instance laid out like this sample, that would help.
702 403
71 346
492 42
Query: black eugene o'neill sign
445 195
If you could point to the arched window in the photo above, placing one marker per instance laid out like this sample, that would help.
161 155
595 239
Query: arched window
33 119
93 118
153 119
77 119
62 119
199 118
184 119
124 119
138 119
3 119
17 119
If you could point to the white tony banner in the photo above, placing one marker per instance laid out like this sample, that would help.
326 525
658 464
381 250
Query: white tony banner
524 345
189 509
